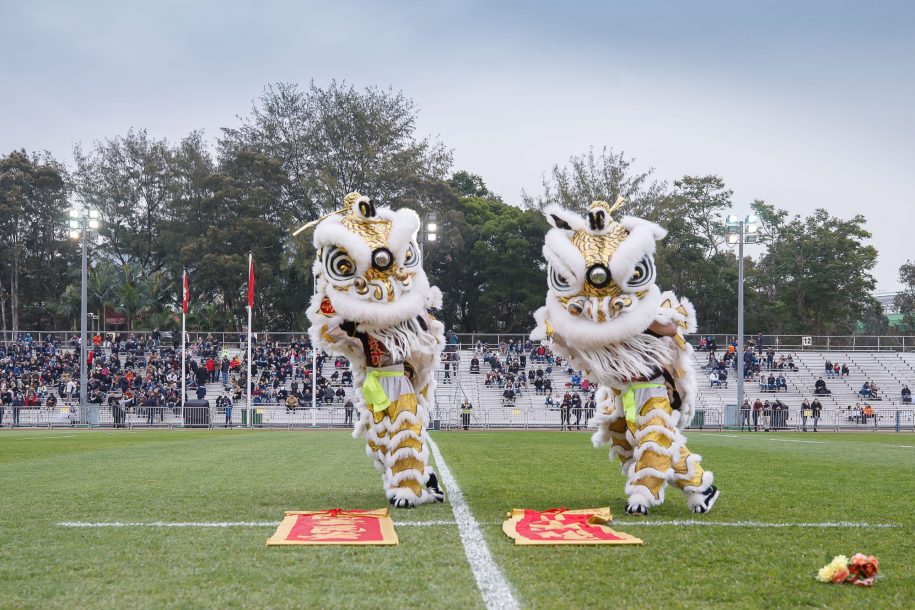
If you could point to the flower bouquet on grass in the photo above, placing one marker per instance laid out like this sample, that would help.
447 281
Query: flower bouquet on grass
860 570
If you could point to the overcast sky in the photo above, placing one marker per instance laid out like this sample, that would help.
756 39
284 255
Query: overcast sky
805 104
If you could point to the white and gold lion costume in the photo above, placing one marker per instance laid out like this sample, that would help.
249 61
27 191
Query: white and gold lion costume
605 313
371 306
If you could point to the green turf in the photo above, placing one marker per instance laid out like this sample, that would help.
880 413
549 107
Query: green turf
49 477
851 477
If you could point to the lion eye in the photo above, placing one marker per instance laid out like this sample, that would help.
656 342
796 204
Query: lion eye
411 258
340 266
557 281
643 274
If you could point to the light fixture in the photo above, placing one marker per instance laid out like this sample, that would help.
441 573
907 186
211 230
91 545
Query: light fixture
74 234
93 224
733 238
93 213
74 224
432 227
432 236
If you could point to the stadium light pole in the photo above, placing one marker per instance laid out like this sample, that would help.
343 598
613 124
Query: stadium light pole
82 221
740 232
428 232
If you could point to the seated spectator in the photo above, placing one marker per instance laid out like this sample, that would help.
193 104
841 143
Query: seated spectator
713 379
781 383
845 370
868 412
865 391
906 395
820 389
771 383
829 369
875 392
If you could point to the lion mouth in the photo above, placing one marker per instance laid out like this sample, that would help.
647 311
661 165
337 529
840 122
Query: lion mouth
597 309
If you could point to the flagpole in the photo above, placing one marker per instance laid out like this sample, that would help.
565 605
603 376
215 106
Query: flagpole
250 307
184 298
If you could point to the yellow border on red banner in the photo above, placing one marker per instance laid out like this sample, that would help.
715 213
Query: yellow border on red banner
388 534
601 517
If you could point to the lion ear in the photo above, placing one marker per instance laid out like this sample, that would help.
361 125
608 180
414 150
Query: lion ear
562 219
558 222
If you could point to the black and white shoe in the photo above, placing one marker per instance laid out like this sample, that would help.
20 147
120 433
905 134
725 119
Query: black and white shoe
433 487
710 496
636 509
402 503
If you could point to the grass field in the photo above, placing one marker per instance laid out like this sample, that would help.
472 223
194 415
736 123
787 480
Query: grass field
216 476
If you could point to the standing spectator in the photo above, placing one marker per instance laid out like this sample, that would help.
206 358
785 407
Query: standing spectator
816 408
745 409
576 409
806 411
564 412
348 409
466 408
224 369
757 412
227 403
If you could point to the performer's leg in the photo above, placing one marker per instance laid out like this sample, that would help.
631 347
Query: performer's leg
656 443
695 482
408 479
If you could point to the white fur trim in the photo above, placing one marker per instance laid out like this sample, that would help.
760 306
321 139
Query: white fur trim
574 221
405 224
640 243
568 261
331 232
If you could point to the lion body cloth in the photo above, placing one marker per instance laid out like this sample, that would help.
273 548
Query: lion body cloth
371 305
606 315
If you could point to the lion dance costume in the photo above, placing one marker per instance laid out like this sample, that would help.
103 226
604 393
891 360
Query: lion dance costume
371 306
605 313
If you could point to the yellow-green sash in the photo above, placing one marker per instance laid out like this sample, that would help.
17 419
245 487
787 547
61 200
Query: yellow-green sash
628 397
373 392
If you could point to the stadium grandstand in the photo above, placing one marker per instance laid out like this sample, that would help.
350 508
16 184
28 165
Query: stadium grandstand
509 382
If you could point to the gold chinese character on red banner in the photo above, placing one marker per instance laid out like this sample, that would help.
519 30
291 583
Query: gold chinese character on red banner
560 526
335 526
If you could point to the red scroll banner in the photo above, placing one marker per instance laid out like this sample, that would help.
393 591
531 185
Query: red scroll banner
560 526
335 527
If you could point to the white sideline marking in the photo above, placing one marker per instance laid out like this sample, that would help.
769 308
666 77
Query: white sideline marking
493 586
41 438
627 523
221 523
755 523
789 440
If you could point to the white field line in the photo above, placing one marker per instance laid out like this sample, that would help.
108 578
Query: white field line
626 523
789 440
493 586
41 438
759 524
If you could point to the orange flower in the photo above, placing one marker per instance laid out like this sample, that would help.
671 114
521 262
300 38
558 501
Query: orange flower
864 566
840 575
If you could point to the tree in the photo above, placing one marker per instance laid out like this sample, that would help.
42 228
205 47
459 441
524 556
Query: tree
245 195
34 252
905 300
589 177
465 184
489 265
334 140
148 192
818 271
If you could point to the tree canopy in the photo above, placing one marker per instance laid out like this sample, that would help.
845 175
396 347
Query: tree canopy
168 206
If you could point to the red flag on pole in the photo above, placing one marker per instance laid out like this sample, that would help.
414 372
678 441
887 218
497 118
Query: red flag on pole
185 295
250 280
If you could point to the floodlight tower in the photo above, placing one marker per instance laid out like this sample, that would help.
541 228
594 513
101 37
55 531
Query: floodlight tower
83 220
740 231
